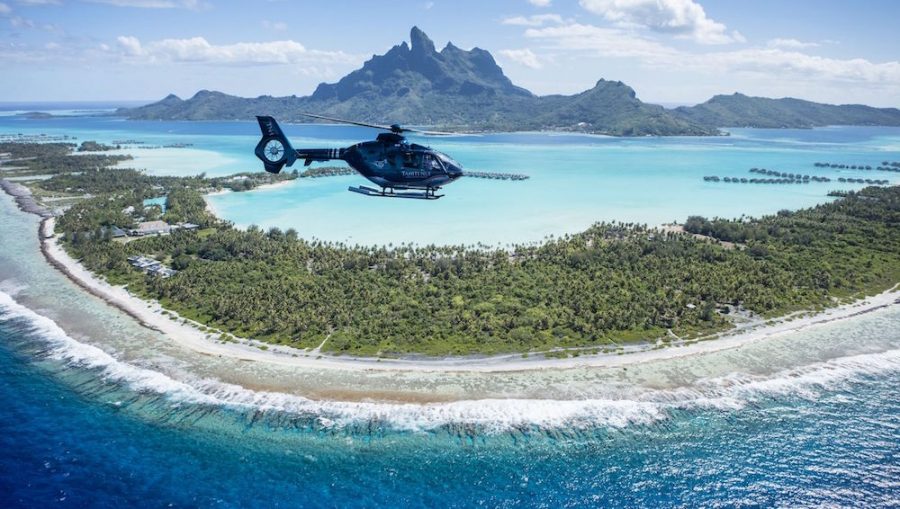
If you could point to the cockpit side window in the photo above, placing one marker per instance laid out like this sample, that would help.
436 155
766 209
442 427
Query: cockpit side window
412 160
431 162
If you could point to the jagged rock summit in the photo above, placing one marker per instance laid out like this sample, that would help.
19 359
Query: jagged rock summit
420 69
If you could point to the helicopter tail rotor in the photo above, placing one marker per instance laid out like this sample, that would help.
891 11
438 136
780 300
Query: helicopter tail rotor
274 149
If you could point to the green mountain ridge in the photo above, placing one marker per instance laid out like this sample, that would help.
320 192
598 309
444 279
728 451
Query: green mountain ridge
415 84
739 110
452 88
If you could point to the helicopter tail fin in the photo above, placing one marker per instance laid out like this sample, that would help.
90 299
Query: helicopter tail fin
274 149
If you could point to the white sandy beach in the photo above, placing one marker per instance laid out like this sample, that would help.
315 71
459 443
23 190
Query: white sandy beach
186 333
264 187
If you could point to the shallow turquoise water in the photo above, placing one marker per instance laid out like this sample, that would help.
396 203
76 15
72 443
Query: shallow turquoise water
575 180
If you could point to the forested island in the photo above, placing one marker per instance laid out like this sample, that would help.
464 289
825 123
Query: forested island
457 89
611 284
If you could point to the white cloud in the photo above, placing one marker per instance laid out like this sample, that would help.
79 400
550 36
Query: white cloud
523 56
199 50
154 4
684 18
790 44
540 3
5 9
68 52
533 21
607 42
131 46
773 63
777 64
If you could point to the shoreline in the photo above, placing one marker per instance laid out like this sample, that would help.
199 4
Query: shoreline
185 333
263 187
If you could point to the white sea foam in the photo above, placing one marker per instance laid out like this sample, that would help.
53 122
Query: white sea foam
623 405
11 287
63 347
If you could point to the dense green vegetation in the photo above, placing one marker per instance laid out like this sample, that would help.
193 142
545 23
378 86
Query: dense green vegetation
327 171
609 284
613 282
85 173
53 159
93 146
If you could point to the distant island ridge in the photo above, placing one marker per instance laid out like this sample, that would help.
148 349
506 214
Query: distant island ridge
453 88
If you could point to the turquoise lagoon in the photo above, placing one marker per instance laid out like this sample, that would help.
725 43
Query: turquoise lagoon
576 180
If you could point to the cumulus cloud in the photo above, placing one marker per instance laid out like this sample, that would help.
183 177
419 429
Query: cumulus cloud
129 45
540 3
199 50
523 56
779 63
772 62
533 21
790 44
684 18
608 42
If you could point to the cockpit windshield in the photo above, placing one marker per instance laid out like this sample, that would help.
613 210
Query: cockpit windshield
448 161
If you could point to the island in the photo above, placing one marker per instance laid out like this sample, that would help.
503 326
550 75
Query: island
613 285
456 89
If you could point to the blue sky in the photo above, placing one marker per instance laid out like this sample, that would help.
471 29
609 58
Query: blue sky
670 51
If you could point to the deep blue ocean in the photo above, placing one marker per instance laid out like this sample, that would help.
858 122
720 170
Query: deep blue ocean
62 446
96 411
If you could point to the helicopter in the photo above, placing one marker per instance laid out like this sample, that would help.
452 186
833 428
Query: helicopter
400 168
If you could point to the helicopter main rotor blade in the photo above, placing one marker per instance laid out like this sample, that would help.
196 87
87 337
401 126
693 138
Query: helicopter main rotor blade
428 133
351 122
392 128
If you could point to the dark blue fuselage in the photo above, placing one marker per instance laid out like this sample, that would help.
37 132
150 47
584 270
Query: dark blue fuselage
399 164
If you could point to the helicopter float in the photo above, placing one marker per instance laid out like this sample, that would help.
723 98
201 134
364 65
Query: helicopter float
400 168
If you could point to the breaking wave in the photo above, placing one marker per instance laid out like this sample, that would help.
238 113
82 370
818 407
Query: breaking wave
622 405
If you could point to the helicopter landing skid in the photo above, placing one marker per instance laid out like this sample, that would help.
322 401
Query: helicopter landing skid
427 194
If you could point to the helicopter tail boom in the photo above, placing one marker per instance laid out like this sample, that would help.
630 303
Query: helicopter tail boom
275 151
319 154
